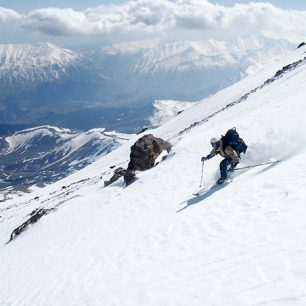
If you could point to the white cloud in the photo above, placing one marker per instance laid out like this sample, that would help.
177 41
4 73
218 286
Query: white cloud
8 15
55 21
164 17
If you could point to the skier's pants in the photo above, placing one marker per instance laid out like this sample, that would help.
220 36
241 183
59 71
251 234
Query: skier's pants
224 166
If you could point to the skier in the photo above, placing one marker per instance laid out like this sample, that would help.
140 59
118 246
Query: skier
231 158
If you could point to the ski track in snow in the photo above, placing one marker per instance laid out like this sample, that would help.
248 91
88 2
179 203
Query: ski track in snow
152 243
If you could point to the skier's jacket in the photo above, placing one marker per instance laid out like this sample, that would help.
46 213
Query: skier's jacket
227 152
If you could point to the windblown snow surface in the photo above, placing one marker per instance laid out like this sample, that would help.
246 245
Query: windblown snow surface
152 243
165 110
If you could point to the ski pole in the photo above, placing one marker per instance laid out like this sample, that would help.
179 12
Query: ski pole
258 165
202 173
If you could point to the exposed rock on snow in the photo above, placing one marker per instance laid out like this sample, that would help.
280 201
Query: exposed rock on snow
119 172
34 217
146 152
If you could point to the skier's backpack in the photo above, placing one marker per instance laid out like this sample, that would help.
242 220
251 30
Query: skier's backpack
233 139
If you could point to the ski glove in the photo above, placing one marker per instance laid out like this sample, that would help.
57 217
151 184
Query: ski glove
204 158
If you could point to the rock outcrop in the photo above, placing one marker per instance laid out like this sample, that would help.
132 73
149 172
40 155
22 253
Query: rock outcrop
144 154
145 151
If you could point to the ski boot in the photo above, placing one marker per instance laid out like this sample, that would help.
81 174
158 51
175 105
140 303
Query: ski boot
221 181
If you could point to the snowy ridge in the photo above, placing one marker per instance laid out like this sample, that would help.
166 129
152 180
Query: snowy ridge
33 63
107 83
153 243
179 56
29 55
50 153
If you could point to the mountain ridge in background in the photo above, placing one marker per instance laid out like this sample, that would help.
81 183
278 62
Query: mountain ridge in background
44 84
45 154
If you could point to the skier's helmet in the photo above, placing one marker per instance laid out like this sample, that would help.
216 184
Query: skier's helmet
214 142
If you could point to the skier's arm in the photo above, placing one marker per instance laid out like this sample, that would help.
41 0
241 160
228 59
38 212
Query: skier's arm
210 155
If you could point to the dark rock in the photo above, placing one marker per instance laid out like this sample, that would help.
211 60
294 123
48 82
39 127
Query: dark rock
143 155
119 172
35 215
145 151
129 176
301 45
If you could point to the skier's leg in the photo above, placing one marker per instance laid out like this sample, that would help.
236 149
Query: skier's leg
223 167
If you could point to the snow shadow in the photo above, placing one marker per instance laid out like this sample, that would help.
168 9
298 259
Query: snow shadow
197 199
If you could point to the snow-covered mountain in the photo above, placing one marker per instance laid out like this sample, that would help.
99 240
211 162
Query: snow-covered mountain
157 56
27 65
153 243
45 154
186 69
43 84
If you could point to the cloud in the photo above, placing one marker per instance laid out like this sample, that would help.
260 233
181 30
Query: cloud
164 17
55 21
8 15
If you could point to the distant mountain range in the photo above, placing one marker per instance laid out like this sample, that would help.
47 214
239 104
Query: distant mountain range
115 86
45 154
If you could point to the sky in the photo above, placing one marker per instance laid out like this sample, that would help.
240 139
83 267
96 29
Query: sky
25 6
76 22
286 4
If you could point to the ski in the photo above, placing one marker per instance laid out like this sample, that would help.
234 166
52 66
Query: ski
209 188
203 190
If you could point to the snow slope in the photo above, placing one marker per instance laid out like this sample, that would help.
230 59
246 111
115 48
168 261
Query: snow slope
152 243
